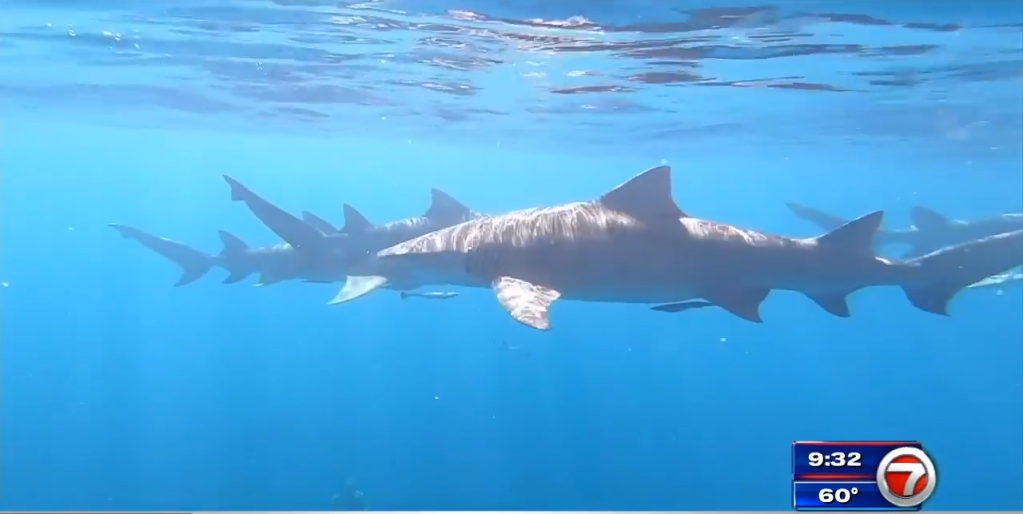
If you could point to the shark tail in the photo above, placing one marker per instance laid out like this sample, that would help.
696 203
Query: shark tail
821 219
194 263
239 193
950 270
319 223
193 269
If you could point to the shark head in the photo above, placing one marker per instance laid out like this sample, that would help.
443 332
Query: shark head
399 267
512 253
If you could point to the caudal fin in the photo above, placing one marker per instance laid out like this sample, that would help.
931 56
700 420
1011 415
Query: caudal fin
239 193
950 270
194 263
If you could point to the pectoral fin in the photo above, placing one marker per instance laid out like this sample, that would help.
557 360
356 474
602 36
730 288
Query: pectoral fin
268 279
357 287
234 277
527 303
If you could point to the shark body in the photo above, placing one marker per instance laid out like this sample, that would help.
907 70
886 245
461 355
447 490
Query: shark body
272 263
931 230
329 250
634 245
313 251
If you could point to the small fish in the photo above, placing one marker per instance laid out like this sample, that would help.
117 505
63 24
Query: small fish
430 295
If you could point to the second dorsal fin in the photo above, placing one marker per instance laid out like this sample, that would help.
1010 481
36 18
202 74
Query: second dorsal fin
232 243
445 208
355 222
856 236
928 219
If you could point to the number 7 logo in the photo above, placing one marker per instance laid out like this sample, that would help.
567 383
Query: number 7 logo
916 471
906 477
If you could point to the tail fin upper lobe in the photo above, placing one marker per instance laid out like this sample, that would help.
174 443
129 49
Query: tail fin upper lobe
194 263
288 227
823 220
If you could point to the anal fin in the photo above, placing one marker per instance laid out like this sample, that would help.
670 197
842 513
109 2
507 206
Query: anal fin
744 303
836 304
527 303
234 277
933 299
268 281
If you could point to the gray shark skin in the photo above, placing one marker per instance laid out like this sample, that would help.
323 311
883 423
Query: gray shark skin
329 250
634 245
194 263
272 263
930 231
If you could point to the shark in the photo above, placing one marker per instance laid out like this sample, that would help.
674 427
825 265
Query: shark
328 249
273 263
930 231
635 245
312 250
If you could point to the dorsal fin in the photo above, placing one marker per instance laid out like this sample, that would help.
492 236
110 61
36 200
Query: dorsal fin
645 195
232 243
354 221
927 219
444 207
856 236
318 223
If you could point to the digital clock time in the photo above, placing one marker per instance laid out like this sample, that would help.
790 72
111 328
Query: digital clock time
835 459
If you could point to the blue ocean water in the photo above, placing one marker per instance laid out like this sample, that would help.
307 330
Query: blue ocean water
121 392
